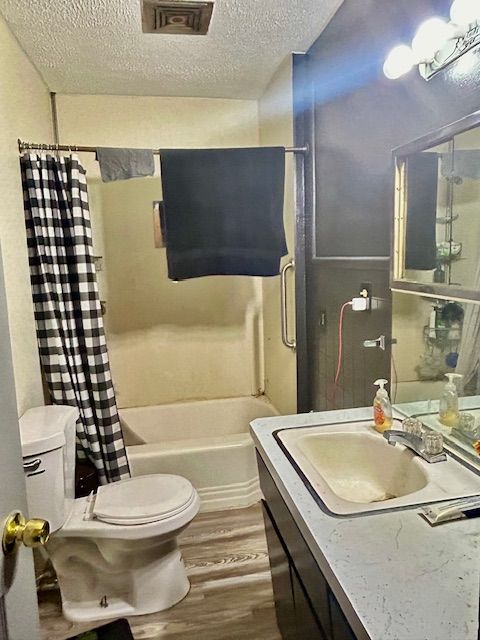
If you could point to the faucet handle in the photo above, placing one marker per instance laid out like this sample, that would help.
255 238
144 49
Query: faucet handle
433 443
413 425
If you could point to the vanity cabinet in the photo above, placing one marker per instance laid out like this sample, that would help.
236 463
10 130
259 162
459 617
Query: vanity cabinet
304 602
295 616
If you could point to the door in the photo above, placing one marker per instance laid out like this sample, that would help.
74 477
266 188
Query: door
18 601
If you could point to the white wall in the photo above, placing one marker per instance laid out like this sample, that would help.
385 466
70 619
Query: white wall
167 341
24 113
276 128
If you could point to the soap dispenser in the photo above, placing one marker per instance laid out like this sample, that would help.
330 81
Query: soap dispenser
382 407
449 414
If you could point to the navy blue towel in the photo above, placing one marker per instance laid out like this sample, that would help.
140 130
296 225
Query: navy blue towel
224 211
422 184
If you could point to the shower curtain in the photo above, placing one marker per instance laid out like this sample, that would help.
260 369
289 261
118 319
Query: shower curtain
70 332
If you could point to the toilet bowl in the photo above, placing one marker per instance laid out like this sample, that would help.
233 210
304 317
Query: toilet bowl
115 553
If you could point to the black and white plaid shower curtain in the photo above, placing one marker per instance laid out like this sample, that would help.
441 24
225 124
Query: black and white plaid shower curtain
70 332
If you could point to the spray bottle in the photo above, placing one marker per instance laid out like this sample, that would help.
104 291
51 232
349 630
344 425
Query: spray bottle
382 407
449 414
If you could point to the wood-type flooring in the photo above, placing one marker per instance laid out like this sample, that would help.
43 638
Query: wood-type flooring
231 592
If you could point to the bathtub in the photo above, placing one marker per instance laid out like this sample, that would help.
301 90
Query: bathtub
206 441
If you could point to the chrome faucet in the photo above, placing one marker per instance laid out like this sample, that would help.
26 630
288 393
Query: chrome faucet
414 443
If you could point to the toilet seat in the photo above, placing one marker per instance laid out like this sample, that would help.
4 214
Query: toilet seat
143 499
83 522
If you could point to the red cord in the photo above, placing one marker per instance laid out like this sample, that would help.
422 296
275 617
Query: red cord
340 340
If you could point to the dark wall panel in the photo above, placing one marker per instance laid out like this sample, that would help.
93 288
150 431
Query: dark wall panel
361 116
330 286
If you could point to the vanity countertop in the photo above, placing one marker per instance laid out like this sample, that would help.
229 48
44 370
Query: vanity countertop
395 576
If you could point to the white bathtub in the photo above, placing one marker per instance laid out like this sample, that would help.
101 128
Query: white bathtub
206 441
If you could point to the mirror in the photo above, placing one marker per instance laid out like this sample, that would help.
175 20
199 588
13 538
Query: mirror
435 337
437 216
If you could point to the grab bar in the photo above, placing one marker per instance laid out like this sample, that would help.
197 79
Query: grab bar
291 344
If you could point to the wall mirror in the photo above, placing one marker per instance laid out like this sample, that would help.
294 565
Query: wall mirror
437 213
435 337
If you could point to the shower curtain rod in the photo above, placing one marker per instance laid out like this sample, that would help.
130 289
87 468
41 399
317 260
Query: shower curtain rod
25 146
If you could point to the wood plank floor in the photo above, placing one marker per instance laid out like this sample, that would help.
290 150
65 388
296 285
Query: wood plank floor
231 593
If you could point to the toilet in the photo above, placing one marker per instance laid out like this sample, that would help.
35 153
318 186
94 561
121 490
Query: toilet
115 553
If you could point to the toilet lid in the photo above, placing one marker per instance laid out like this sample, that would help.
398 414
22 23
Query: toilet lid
143 499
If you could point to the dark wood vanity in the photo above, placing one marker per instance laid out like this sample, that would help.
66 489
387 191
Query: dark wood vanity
305 604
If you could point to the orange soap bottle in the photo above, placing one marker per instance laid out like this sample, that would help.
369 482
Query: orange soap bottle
382 407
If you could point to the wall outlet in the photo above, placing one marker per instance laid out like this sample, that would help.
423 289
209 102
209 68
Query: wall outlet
365 291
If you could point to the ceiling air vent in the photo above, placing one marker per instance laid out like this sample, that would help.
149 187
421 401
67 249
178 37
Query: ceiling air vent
176 17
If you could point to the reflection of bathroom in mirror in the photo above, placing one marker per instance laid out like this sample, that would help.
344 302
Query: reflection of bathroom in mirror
440 208
434 338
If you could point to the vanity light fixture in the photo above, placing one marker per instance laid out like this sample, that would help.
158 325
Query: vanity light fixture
465 12
399 62
432 35
437 42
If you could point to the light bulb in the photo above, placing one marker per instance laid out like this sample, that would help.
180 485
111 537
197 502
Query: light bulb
465 12
431 36
398 62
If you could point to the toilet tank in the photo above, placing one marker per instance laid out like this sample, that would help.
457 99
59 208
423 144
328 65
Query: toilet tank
48 449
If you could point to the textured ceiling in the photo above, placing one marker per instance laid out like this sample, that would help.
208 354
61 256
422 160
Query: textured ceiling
97 46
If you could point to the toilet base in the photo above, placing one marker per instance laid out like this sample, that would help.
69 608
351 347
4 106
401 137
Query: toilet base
91 612
102 579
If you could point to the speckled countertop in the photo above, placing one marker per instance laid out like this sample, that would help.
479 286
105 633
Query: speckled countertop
395 577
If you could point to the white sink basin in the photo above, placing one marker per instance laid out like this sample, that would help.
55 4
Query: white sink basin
354 470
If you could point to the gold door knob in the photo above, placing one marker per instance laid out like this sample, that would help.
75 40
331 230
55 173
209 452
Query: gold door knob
17 530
